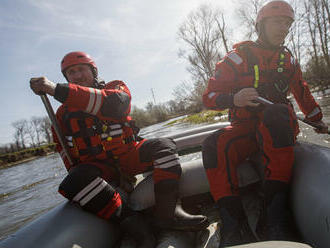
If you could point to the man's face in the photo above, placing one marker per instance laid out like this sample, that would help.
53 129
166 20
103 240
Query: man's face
80 74
277 28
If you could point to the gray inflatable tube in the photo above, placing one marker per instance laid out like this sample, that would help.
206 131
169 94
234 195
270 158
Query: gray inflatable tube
65 226
193 182
68 226
310 196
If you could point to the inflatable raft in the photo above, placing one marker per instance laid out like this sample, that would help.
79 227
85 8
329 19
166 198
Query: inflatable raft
68 226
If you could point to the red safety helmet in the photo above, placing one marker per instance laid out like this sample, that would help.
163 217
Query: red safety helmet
75 58
275 8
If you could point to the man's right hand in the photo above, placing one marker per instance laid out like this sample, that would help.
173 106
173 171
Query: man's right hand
245 97
41 85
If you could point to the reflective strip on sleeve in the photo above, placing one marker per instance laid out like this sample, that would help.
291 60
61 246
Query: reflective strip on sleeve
87 189
235 58
91 101
211 94
62 154
314 112
256 76
95 100
116 132
115 126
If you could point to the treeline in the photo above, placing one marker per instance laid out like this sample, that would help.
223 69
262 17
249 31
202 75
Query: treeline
155 113
31 138
20 155
29 134
36 132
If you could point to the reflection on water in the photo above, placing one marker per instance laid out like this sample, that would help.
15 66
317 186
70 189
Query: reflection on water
27 190
30 189
307 133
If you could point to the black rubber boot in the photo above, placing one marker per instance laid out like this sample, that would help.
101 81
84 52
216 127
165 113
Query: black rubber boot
278 217
234 228
168 214
136 226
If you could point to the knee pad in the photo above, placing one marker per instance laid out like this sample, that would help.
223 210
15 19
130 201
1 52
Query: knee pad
85 186
209 150
277 120
161 151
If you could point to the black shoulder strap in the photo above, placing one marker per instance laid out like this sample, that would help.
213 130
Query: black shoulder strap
292 57
252 59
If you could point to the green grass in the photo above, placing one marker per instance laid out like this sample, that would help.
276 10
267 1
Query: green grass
9 158
207 116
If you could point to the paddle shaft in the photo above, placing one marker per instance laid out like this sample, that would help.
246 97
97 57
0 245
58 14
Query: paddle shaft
56 127
310 123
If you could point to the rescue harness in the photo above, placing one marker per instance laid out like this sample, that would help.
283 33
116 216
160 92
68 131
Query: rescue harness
90 138
278 88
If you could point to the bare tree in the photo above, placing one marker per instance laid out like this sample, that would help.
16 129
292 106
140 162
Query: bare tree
189 95
312 31
31 133
46 129
317 67
325 3
36 123
247 13
296 38
182 93
17 140
322 26
141 117
149 107
325 25
21 127
204 34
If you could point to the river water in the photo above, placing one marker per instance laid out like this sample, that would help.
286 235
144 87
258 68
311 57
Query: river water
30 189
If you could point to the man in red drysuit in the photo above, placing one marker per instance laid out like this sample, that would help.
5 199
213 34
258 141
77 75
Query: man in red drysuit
104 146
263 68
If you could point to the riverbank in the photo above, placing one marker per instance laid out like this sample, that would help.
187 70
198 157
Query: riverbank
4 166
25 155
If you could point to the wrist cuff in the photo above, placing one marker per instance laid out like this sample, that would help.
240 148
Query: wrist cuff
61 92
225 101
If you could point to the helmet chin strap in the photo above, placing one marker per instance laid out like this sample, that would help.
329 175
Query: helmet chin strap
99 83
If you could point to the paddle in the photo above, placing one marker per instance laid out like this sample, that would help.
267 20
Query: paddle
310 123
56 127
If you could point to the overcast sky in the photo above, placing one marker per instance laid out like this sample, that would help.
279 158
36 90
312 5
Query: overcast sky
130 40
